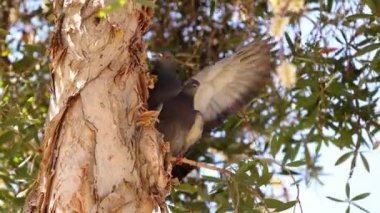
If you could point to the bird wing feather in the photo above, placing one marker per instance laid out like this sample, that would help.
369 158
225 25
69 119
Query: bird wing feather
232 82
195 132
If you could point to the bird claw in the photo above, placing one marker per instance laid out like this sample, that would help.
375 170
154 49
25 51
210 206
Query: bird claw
147 118
179 159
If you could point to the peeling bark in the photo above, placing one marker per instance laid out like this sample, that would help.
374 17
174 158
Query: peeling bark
101 152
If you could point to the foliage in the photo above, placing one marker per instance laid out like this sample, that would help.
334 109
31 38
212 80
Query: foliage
333 44
23 97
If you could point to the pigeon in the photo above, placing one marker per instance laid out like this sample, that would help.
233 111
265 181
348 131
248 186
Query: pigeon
208 97
179 122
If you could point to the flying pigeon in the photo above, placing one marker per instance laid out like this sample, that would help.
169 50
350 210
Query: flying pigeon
209 96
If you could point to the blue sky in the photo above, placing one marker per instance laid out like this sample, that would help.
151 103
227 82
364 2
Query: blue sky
313 197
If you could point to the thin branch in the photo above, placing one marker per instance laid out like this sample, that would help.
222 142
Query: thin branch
270 160
201 165
229 173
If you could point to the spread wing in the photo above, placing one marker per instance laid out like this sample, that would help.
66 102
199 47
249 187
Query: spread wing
232 82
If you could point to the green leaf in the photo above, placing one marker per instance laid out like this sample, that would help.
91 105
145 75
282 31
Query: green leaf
212 7
290 43
348 209
278 205
187 188
266 176
360 197
336 88
373 5
365 162
307 102
273 203
275 146
345 139
335 199
296 163
343 158
303 59
359 16
245 167
348 190
367 49
196 206
30 48
375 64
329 5
6 136
30 99
212 179
177 208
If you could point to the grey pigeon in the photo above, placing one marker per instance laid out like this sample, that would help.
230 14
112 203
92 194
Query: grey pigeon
180 124
213 93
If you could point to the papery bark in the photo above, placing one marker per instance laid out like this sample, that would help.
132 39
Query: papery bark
101 152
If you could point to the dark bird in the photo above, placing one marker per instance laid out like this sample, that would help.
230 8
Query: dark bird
179 122
209 96
168 84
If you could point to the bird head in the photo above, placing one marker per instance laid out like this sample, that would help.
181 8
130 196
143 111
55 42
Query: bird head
191 87
165 62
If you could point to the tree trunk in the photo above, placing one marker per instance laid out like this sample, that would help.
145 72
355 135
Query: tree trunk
101 152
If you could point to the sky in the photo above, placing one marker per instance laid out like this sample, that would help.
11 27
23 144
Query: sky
313 197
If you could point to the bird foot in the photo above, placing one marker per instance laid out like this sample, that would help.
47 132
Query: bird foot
179 159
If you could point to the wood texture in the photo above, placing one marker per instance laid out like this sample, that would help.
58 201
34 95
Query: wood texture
101 152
